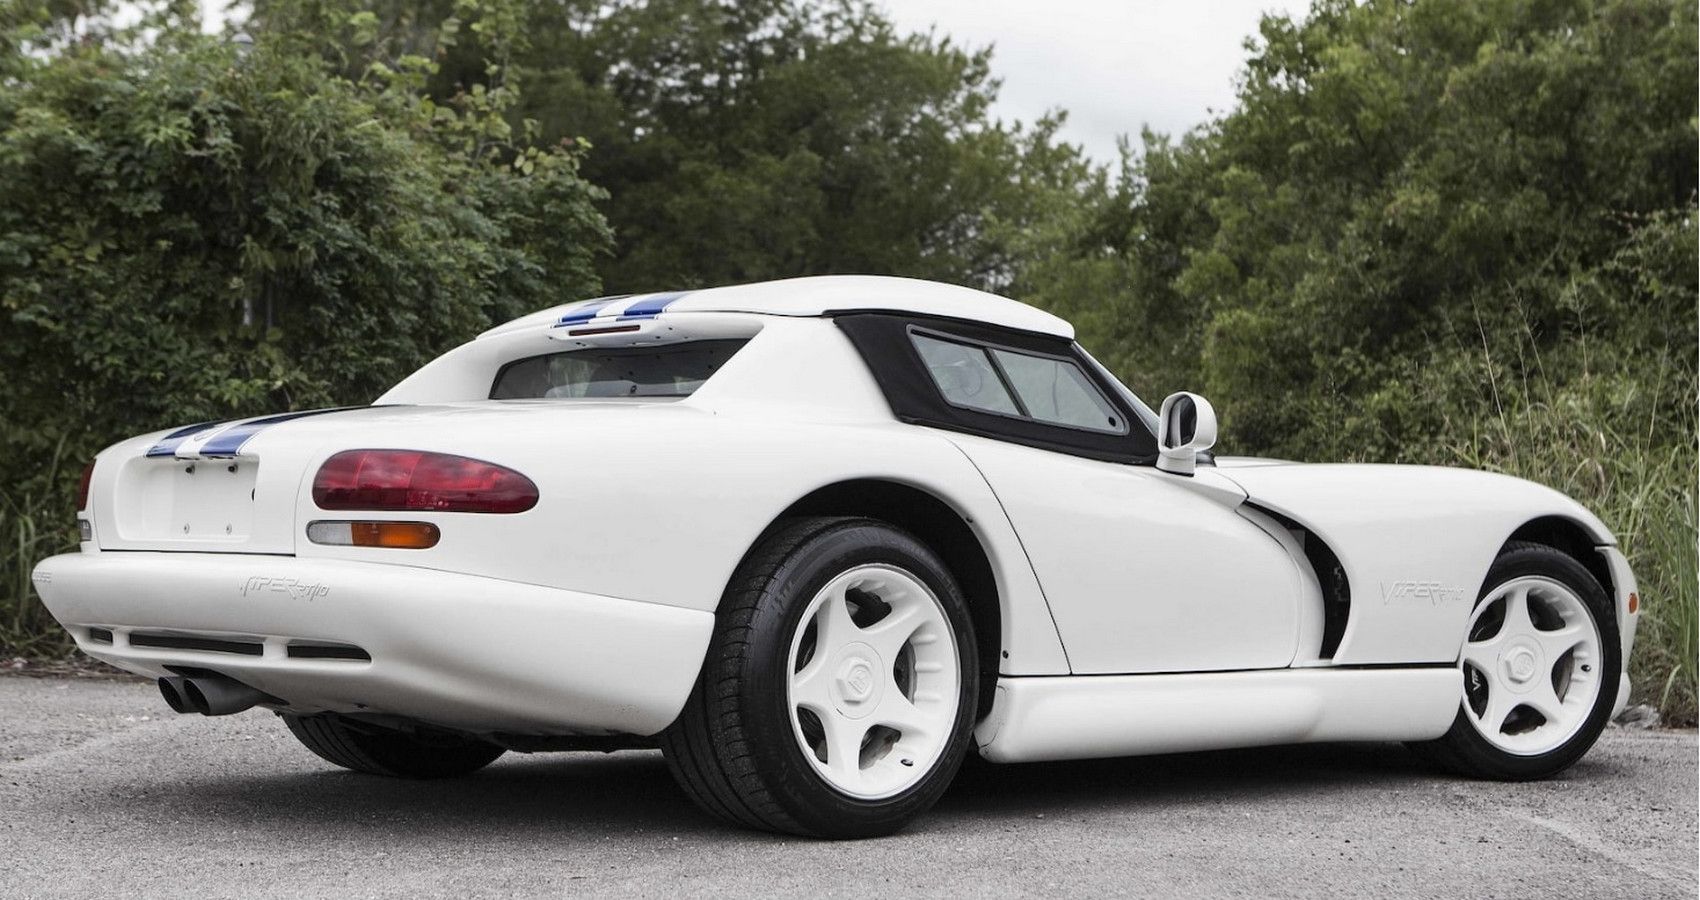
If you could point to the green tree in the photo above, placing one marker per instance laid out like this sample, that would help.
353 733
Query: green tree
761 139
190 232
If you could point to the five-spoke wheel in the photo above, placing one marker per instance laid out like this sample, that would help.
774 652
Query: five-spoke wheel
1531 666
839 689
1540 669
874 682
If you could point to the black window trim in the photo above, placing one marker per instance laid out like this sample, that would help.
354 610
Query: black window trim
1025 415
881 338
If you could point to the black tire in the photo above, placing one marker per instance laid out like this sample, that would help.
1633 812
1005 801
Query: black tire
383 751
1463 749
733 748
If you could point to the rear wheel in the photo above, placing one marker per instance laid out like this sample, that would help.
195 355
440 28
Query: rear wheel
1540 666
385 751
838 692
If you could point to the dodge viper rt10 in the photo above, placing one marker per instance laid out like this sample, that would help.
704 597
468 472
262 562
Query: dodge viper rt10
817 540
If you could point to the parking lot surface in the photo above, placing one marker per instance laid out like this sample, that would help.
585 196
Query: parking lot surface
104 792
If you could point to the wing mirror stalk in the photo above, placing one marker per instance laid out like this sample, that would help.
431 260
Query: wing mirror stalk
1186 427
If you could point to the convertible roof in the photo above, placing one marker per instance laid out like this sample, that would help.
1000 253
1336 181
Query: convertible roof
817 296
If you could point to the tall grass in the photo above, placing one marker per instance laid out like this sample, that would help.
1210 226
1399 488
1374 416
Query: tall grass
1670 638
34 524
1591 440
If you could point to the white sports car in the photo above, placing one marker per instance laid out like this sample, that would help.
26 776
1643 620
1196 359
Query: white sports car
817 539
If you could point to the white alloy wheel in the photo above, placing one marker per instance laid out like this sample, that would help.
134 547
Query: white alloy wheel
1532 666
875 682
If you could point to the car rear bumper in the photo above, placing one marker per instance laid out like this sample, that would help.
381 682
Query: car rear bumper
460 651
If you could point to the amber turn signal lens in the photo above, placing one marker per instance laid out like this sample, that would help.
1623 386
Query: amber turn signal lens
406 535
392 535
1634 602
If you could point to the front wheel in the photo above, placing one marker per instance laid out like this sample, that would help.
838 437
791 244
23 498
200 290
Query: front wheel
838 692
1540 665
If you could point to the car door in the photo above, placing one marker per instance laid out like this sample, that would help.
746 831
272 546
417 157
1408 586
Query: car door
1143 570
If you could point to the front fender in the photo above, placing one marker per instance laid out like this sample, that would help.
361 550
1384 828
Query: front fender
1416 543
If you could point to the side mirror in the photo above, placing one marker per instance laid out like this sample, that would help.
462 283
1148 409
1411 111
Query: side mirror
1186 427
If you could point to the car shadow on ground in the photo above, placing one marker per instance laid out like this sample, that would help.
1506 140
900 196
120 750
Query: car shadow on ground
1268 772
587 794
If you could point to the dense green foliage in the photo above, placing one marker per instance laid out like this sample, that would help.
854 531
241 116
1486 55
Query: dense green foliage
1405 193
1450 231
189 234
770 138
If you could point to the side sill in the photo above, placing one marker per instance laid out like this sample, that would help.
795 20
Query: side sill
1075 717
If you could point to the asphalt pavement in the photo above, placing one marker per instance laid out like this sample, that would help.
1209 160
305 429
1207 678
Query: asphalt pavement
106 793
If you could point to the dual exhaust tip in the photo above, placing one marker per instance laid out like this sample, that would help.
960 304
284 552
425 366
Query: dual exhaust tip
210 694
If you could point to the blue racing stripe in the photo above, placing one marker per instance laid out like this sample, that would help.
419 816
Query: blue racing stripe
650 306
167 446
230 441
587 310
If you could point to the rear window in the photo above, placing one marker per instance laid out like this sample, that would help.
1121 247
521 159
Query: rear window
669 370
965 375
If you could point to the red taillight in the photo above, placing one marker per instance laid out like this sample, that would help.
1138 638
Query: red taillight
414 481
83 487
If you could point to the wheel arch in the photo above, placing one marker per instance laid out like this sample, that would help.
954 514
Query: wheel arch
1573 539
939 525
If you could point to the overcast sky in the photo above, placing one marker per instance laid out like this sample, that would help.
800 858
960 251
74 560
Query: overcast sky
1115 65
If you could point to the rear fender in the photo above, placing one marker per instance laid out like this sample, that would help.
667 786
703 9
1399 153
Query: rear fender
659 506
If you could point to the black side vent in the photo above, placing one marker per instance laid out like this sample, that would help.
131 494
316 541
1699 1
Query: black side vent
209 645
1336 593
328 651
100 636
1330 576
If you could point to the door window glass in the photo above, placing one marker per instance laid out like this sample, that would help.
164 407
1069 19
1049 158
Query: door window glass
1056 391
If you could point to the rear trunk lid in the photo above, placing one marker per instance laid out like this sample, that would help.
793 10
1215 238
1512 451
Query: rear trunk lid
236 487
225 487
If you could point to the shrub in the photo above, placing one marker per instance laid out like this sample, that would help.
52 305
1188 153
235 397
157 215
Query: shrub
191 233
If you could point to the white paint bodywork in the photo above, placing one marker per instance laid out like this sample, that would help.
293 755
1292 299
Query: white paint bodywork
1132 561
824 296
1140 610
446 648
1037 719
1413 588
